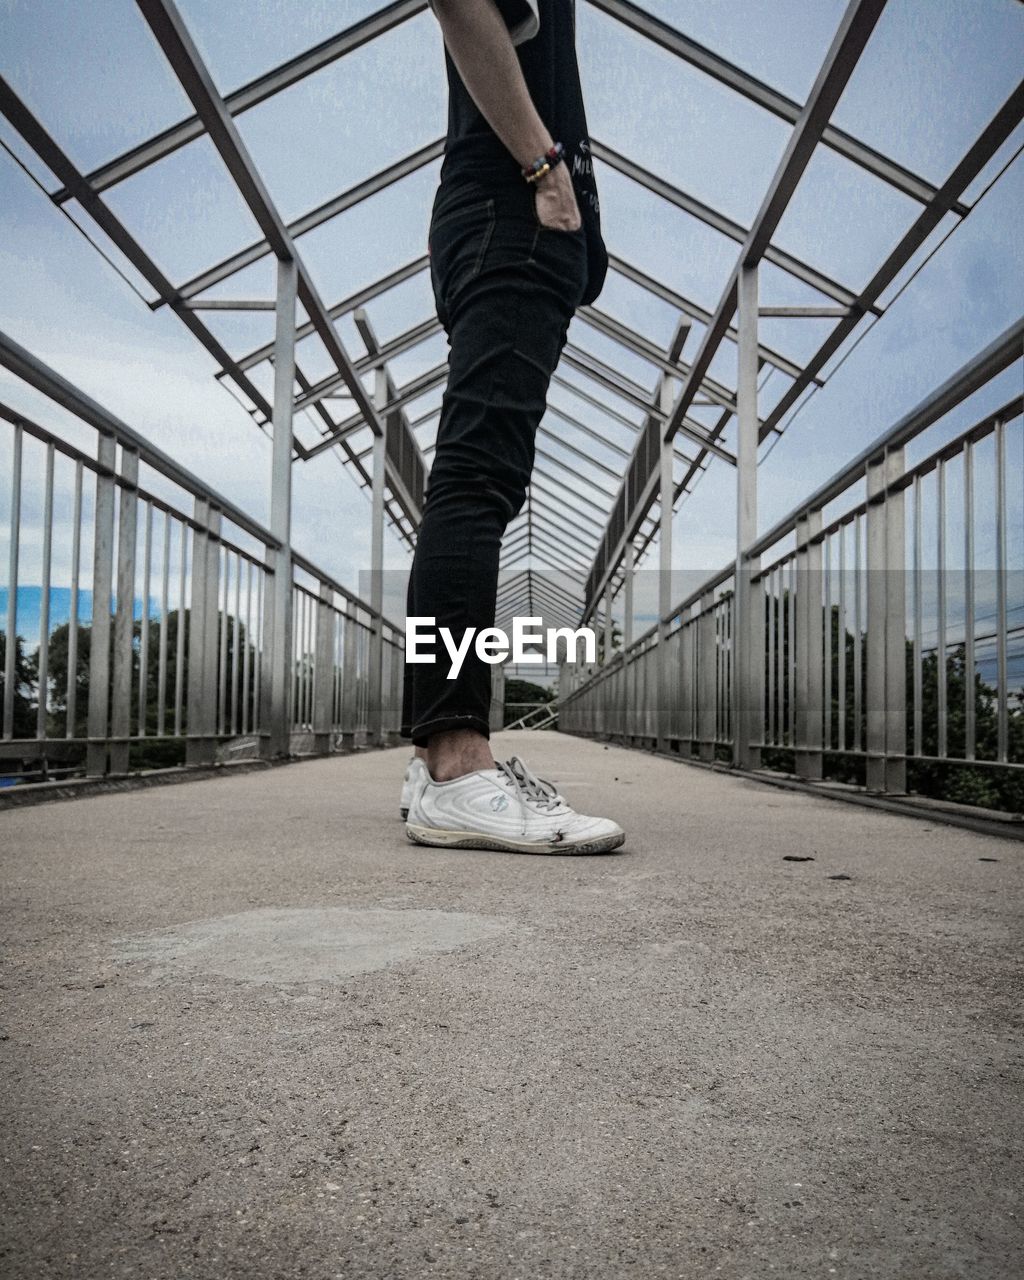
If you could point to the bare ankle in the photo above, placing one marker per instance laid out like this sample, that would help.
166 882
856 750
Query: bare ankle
456 752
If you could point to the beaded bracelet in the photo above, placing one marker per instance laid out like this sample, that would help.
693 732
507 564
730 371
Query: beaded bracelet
545 163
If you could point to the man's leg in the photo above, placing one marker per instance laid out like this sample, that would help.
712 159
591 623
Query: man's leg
509 290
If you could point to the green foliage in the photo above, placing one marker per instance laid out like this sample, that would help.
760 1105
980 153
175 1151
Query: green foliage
24 687
149 751
952 780
520 691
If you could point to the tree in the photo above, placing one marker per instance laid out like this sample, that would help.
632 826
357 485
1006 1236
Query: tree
24 687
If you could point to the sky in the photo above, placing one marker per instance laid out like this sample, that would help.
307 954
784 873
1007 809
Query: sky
934 73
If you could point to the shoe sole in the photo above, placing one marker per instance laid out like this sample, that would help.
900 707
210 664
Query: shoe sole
438 838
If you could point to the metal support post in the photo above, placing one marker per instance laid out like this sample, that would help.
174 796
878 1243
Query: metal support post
11 631
102 582
809 649
201 707
349 703
629 570
375 691
886 628
121 676
666 502
707 677
323 670
279 596
748 604
392 727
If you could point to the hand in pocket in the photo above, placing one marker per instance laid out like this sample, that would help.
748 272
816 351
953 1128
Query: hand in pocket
555 201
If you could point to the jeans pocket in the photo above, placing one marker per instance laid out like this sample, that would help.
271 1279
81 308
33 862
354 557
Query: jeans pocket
475 210
458 241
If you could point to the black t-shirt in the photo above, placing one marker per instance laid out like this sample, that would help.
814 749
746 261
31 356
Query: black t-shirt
476 160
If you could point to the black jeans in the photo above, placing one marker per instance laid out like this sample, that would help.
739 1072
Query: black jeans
506 288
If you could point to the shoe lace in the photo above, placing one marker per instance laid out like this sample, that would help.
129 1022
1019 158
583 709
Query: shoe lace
531 789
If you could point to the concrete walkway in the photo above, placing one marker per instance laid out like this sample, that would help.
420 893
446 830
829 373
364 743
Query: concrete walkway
250 1031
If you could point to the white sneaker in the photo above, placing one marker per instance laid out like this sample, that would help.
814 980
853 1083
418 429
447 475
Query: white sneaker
507 808
415 773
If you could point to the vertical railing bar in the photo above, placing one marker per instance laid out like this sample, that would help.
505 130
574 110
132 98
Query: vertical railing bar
291 670
826 585
1002 695
858 656
780 655
304 662
257 675
223 594
918 682
179 640
211 700
719 642
124 615
201 615
307 666
841 645
161 662
246 660
98 731
969 676
940 639
311 680
306 682
338 651
302 636
236 632
43 687
794 578
147 552
780 683
732 674
770 662
11 634
296 670
723 732
76 563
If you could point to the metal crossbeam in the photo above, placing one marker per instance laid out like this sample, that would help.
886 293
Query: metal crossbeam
582 427
724 226
411 391
314 218
696 312
250 95
174 39
756 91
858 23
346 305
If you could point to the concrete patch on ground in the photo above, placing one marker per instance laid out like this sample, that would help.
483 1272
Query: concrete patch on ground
317 944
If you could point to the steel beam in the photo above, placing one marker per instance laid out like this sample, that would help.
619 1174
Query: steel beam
251 94
171 34
802 271
856 27
989 141
748 646
58 162
696 312
277 681
308 221
763 95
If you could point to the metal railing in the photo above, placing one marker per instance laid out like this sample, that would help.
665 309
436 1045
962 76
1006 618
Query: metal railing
157 647
876 638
